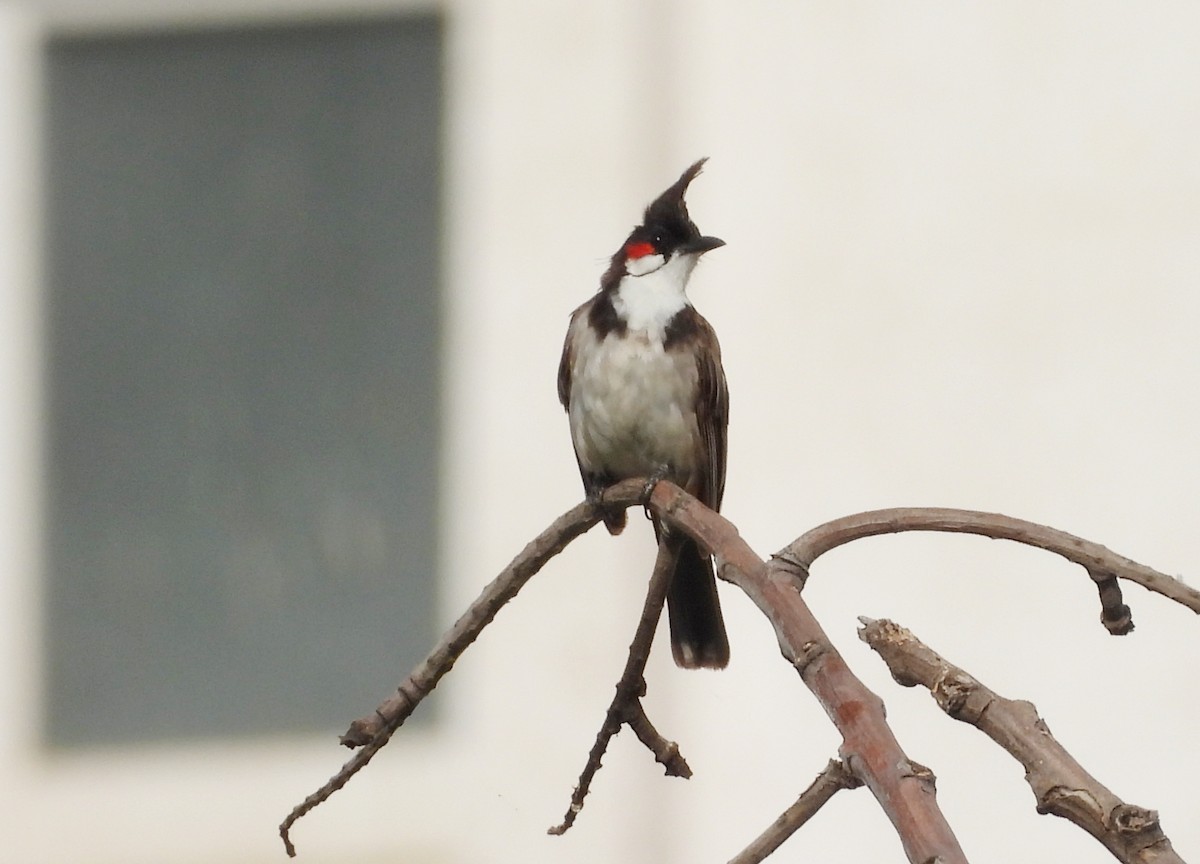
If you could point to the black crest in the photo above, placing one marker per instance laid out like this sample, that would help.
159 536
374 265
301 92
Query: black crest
669 210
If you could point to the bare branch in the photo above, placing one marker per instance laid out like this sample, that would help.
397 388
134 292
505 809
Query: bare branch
666 752
626 706
1062 787
371 733
869 750
903 789
467 628
1102 564
829 782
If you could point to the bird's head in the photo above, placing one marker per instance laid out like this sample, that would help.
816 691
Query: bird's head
667 234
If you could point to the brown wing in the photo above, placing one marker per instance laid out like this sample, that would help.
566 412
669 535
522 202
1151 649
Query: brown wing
712 414
568 358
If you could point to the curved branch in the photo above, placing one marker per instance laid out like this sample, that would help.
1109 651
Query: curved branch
1101 563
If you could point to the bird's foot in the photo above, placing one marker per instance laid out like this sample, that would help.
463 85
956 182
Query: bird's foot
653 479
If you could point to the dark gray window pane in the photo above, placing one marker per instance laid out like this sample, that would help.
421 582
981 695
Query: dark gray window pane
242 344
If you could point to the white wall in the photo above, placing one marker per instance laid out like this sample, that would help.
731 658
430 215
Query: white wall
961 271
19 362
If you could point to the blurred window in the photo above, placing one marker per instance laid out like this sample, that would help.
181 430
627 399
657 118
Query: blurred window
243 342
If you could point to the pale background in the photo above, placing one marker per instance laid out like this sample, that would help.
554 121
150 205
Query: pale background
962 270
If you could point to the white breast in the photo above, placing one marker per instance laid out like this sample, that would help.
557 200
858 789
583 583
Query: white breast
632 403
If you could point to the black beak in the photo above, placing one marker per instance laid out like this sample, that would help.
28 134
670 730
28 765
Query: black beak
702 244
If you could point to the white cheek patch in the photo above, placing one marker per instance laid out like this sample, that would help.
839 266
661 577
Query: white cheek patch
648 303
645 264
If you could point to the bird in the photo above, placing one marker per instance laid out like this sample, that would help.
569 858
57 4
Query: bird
645 394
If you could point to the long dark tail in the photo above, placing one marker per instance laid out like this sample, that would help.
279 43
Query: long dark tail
698 639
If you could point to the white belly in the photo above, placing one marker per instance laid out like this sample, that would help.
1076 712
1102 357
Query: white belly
632 408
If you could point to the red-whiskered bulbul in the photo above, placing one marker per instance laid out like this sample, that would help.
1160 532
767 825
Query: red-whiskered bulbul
642 383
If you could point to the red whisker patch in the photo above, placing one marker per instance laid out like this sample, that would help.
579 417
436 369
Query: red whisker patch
639 250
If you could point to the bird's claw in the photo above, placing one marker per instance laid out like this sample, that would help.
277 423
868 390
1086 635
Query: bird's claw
660 474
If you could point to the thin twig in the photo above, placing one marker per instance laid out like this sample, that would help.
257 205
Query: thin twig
666 752
1062 787
626 706
829 782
